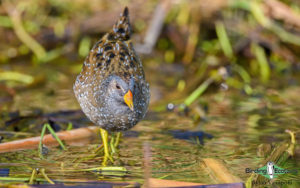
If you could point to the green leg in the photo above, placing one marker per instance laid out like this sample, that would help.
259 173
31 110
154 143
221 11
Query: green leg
119 135
111 144
104 136
115 140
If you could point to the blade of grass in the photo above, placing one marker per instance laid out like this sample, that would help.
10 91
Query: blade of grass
243 73
15 17
13 179
16 76
33 174
55 136
245 76
41 142
223 39
263 63
70 126
46 177
107 168
192 97
257 12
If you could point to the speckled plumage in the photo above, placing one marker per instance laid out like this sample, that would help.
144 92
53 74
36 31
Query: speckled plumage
113 59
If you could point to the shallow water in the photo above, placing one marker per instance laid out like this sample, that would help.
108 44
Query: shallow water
237 123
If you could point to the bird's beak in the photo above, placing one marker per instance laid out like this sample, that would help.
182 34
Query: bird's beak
128 99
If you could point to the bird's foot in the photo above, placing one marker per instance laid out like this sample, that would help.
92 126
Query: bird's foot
106 157
109 148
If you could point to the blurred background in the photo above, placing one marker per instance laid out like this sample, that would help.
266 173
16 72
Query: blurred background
227 67
248 46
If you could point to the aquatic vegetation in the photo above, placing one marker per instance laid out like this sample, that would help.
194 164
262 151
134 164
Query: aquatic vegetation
224 81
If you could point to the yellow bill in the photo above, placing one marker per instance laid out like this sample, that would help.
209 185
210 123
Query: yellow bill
128 99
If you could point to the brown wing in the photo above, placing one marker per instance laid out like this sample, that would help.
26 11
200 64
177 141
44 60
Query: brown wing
114 53
110 57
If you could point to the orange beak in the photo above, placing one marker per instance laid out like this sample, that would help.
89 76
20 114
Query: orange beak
128 99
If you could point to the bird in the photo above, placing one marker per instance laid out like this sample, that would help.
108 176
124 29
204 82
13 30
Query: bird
111 88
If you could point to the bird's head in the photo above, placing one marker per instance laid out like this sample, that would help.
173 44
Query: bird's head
121 92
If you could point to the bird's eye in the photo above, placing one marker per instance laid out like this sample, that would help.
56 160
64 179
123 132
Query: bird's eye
118 87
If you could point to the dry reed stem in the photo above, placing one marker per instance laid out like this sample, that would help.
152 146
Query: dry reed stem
33 142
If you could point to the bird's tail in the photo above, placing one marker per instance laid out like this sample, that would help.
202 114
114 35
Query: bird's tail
122 29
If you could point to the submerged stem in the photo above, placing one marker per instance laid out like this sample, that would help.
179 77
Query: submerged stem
46 177
33 174
55 136
41 142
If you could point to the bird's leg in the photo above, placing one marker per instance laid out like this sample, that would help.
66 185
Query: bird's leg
115 142
104 136
119 135
111 143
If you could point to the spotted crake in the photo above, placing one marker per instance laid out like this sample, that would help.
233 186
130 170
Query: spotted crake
111 88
